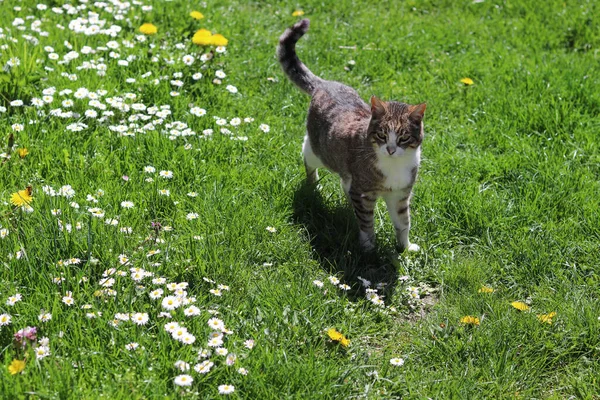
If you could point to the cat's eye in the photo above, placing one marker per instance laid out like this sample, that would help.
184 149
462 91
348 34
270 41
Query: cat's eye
381 135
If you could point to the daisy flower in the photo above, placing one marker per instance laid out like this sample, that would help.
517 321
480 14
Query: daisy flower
398 362
132 346
216 324
226 389
140 318
170 303
215 342
191 311
183 380
204 367
5 319
43 317
222 351
182 365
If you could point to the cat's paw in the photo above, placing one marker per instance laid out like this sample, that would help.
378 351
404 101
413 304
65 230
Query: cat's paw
413 247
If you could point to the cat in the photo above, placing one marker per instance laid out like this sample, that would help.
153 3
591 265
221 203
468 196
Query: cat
375 150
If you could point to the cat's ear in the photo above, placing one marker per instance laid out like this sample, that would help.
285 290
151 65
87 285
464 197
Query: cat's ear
377 108
417 112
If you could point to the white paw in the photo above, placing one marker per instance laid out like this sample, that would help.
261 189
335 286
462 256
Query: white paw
413 247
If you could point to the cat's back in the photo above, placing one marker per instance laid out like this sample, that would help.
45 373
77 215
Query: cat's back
336 97
337 110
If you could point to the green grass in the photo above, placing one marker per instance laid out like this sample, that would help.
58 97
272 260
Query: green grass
507 197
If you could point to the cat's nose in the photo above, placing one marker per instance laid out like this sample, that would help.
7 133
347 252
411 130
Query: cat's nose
391 150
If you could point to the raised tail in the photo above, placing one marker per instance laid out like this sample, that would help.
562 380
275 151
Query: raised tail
291 64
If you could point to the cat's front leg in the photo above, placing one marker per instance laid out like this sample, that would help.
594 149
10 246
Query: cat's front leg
398 205
364 206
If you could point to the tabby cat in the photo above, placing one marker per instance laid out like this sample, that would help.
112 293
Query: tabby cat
376 151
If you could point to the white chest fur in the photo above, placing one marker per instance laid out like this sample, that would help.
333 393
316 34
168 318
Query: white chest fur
398 170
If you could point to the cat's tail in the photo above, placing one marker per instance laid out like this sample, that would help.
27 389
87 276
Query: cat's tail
291 64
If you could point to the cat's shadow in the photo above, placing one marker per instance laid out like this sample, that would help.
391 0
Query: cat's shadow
333 232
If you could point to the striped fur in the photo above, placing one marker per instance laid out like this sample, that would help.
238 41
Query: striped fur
296 71
375 150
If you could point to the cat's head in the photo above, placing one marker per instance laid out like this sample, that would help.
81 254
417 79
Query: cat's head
395 128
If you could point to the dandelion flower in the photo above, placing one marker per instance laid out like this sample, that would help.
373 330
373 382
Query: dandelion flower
485 289
22 152
196 15
22 197
470 320
467 81
148 29
219 40
298 13
547 318
16 366
202 37
338 337
519 305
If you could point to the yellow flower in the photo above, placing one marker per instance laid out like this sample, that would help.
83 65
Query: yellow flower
22 197
298 13
148 29
196 15
334 334
467 81
202 37
22 152
219 40
485 289
519 305
470 320
547 318
16 366
338 337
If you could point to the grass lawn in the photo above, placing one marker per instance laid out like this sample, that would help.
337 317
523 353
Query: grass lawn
170 247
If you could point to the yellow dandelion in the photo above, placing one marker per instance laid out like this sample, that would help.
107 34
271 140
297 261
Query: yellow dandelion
219 40
467 81
485 289
22 152
196 15
547 318
470 320
298 13
16 366
148 29
22 197
334 334
202 37
345 342
519 305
